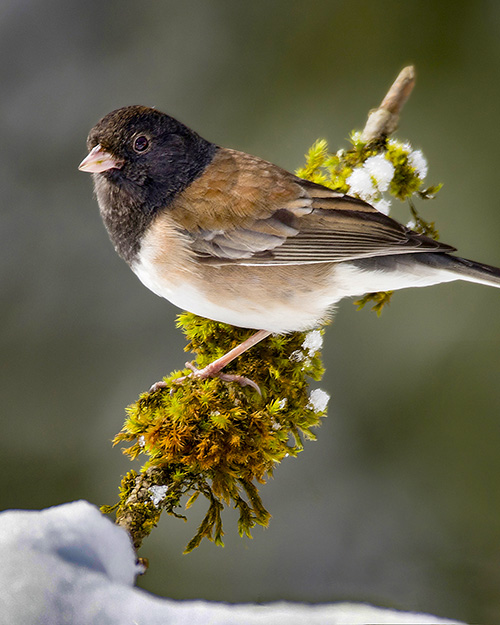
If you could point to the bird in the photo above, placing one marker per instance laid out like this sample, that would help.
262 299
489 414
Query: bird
234 238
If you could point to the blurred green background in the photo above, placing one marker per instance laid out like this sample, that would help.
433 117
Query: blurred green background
398 501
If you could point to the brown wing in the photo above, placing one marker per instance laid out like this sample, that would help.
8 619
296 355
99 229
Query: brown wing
246 211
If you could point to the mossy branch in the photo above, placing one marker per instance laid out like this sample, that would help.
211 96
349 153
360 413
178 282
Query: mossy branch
216 439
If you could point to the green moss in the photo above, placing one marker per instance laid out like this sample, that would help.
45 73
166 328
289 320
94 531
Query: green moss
216 438
379 300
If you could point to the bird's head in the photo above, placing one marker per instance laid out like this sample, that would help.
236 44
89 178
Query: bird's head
146 153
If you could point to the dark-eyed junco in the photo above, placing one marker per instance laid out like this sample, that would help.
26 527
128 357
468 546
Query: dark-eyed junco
229 236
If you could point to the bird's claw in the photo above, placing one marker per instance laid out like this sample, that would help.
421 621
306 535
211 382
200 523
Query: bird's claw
240 379
157 385
207 372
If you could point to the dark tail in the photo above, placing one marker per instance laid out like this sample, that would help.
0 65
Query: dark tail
464 269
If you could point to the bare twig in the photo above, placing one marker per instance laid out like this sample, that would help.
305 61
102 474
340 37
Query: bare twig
384 120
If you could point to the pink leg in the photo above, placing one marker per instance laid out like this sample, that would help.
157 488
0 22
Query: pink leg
214 368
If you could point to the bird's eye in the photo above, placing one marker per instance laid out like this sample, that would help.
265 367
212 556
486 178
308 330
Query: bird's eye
141 143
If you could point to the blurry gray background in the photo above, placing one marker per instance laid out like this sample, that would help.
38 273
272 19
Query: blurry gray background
398 501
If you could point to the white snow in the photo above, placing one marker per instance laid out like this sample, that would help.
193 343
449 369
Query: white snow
71 565
418 161
361 184
313 342
157 494
318 400
381 169
383 206
297 356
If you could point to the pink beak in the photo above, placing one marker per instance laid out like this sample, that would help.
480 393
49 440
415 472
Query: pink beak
98 160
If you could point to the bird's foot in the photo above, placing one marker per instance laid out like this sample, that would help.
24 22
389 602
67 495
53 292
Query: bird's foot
208 372
214 372
157 385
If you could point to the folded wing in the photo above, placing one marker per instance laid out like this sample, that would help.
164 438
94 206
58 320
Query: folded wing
328 228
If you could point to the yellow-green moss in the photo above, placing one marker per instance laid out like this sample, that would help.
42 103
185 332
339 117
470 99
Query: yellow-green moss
218 438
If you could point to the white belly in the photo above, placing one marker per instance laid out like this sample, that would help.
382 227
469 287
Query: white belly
240 309
279 299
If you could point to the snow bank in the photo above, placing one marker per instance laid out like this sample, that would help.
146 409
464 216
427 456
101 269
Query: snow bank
71 565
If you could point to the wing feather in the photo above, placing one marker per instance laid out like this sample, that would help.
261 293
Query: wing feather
259 214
